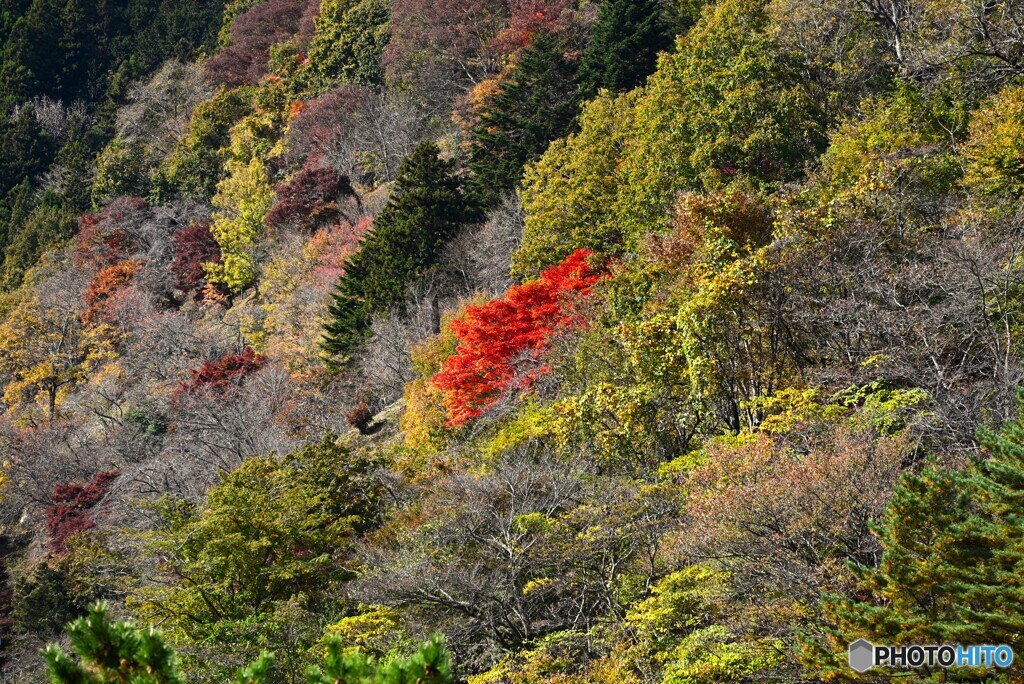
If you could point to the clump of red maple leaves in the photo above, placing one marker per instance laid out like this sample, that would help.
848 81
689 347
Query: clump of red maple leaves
501 342
71 512
219 375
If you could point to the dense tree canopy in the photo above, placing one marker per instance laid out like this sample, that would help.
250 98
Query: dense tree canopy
616 341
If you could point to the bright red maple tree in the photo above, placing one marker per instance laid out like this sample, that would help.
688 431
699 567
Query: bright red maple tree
501 342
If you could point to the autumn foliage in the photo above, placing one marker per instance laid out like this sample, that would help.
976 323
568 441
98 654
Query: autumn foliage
219 375
194 246
309 200
104 237
500 343
252 35
360 418
70 513
106 285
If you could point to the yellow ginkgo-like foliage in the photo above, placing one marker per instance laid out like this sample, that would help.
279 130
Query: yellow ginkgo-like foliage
44 353
242 201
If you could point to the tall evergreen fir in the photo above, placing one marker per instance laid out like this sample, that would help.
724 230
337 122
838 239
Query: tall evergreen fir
425 210
535 105
628 36
952 565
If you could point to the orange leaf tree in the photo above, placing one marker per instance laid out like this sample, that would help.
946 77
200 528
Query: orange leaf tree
501 342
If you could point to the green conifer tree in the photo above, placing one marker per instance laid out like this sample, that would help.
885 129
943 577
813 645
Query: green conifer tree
118 652
429 665
109 652
425 210
952 554
535 105
628 36
27 150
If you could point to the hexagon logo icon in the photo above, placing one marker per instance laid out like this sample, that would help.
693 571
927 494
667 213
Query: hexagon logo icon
862 655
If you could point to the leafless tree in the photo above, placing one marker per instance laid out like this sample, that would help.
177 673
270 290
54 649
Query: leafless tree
159 109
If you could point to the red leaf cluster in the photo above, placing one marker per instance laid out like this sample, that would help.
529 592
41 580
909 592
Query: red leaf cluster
106 237
71 510
104 286
501 342
253 33
194 246
219 375
309 200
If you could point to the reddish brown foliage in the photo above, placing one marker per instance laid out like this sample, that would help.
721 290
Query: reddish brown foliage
106 285
501 342
738 216
444 39
71 510
307 23
326 123
106 237
309 200
252 35
782 514
329 249
527 17
447 46
194 246
219 375
360 418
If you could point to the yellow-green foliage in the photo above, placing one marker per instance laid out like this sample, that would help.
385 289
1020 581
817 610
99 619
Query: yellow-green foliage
375 630
792 407
554 660
883 409
894 135
350 37
242 201
255 566
534 422
726 105
44 353
995 148
197 162
647 381
260 134
569 194
121 169
425 415
635 407
676 636
676 631
232 9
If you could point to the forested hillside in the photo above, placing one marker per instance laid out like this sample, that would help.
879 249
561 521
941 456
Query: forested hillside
508 341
